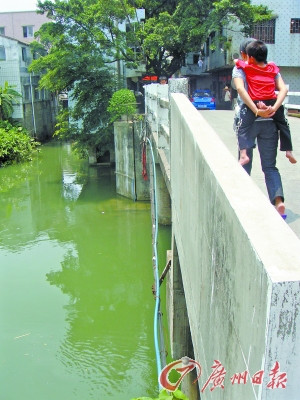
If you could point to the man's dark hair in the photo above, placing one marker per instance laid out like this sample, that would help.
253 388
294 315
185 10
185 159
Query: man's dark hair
257 50
245 43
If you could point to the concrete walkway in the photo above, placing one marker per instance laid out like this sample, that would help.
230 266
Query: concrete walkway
221 121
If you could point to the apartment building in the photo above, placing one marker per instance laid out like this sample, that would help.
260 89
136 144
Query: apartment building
37 108
21 25
281 34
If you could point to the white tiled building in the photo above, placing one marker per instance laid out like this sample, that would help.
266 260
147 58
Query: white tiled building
37 108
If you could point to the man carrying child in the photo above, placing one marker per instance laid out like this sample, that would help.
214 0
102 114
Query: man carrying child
260 77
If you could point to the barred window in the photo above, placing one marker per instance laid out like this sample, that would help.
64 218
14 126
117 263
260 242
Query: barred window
295 25
265 31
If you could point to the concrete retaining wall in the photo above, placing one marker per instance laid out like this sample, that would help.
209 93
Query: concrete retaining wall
128 157
240 264
45 118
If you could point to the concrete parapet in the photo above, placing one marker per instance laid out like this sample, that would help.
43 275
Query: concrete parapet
240 265
163 162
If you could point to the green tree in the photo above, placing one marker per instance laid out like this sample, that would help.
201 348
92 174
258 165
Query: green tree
79 45
174 28
77 50
8 97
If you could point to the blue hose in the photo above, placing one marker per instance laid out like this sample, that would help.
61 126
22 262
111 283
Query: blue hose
157 291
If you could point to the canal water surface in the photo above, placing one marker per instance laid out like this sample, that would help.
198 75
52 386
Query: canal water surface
76 308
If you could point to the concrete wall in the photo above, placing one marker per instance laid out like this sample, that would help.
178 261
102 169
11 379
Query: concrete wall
45 118
240 263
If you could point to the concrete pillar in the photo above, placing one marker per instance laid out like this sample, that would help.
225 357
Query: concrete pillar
128 158
142 186
177 312
179 329
125 180
163 199
179 85
92 156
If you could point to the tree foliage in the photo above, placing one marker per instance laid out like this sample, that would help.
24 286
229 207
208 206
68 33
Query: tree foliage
77 50
8 96
174 28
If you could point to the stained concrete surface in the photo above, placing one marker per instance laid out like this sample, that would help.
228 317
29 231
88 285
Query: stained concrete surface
222 122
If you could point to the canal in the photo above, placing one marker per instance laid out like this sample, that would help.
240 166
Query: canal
76 307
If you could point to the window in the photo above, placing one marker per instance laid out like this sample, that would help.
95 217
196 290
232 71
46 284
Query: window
24 54
265 31
44 94
2 30
36 93
295 25
195 58
28 31
212 42
27 93
2 53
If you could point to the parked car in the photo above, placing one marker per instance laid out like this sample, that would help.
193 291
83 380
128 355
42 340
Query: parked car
203 100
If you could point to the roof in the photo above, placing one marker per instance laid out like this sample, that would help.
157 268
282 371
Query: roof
16 40
15 12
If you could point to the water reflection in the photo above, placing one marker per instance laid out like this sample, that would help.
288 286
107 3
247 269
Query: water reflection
77 257
71 189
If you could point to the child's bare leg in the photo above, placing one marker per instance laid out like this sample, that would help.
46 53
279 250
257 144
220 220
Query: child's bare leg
244 159
279 205
290 156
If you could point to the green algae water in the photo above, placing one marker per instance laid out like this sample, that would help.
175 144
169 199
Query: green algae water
76 307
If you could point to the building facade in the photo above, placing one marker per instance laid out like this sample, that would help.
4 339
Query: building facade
37 108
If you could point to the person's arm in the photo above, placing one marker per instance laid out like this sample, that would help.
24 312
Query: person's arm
265 113
239 63
282 92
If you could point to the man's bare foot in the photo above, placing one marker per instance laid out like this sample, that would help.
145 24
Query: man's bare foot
279 205
244 159
290 156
